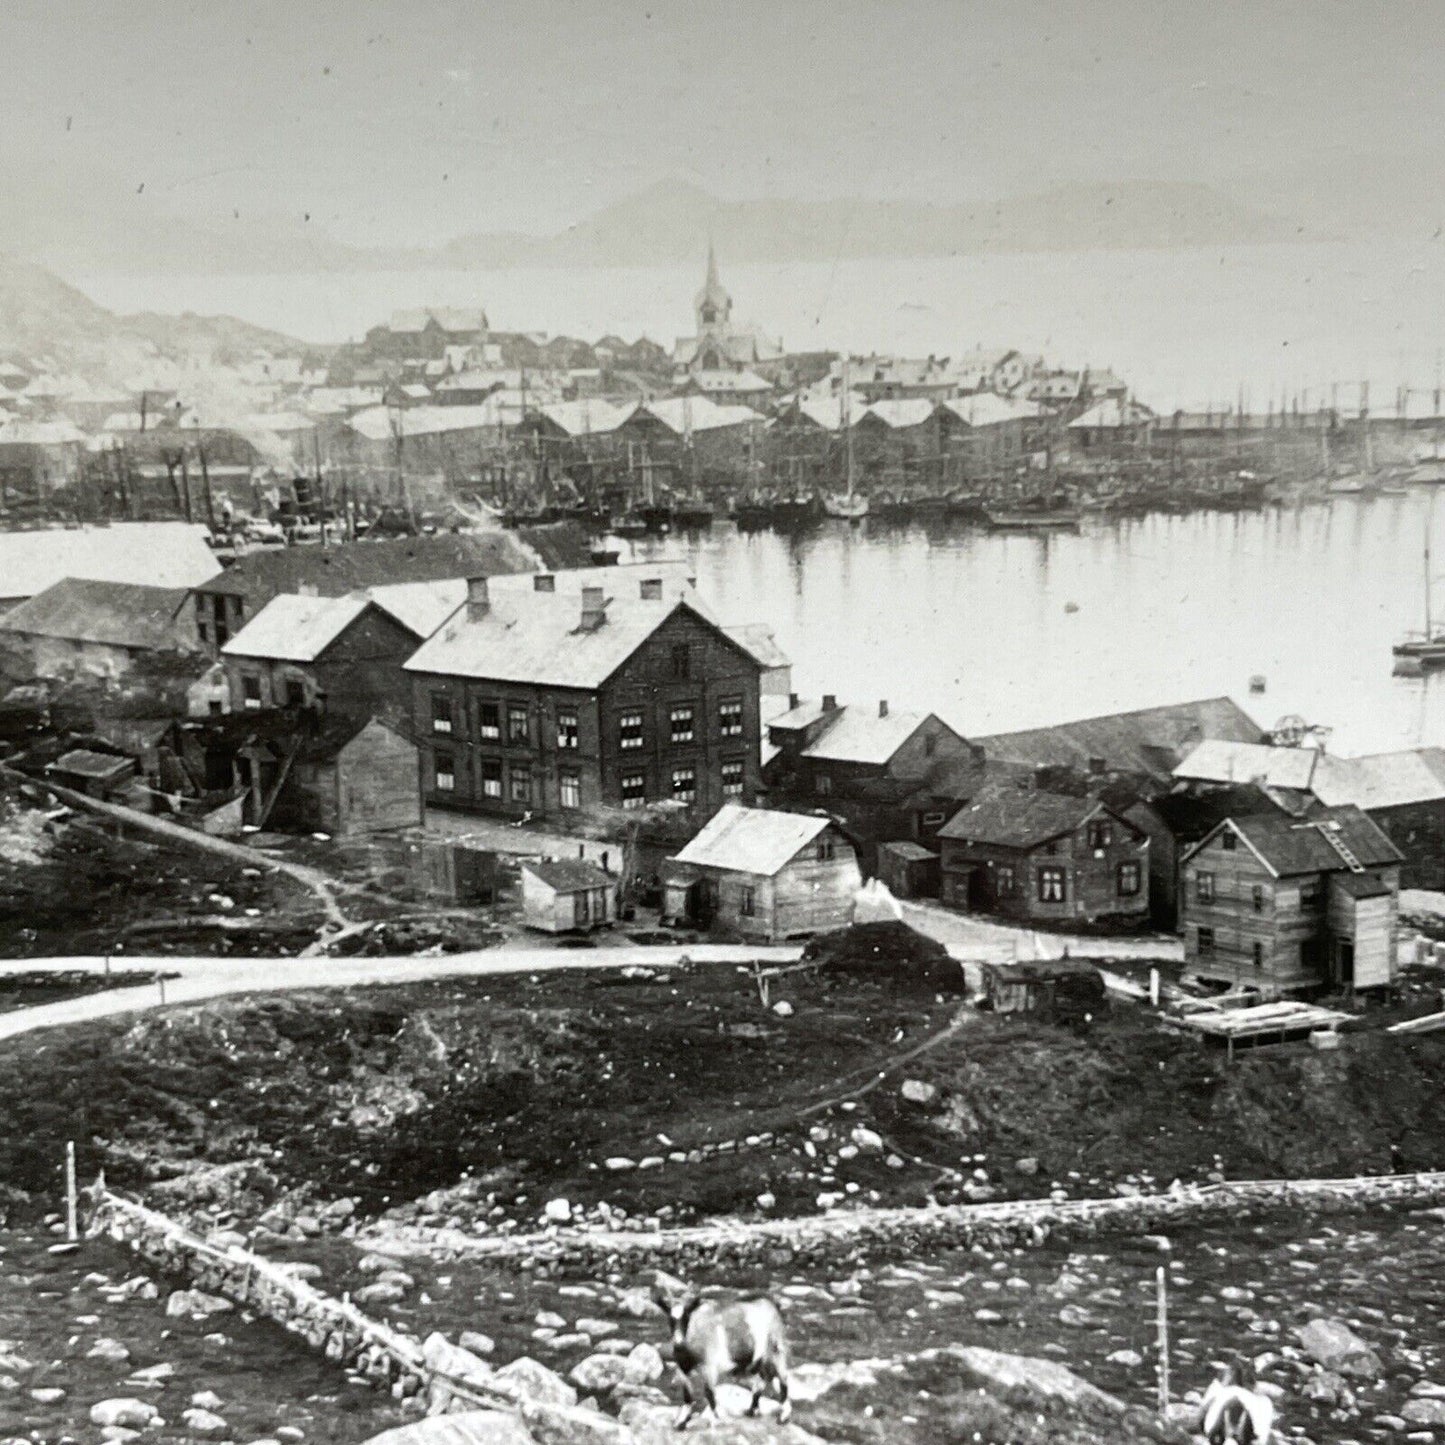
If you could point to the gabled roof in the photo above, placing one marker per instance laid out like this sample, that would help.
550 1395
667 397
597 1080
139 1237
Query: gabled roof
40 433
1113 413
729 381
538 638
156 554
1218 761
1385 780
1289 847
758 639
292 628
1019 817
859 735
1151 740
421 607
752 840
586 418
568 875
986 408
1189 816
696 413
118 614
384 424
449 318
897 413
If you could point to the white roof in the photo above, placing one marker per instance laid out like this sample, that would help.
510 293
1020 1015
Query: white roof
729 381
858 735
1113 412
537 638
827 411
1217 761
986 408
752 840
700 413
276 421
901 411
157 554
292 628
1384 780
586 418
382 423
39 433
421 606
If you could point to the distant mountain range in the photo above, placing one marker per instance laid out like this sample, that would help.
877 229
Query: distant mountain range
97 230
43 317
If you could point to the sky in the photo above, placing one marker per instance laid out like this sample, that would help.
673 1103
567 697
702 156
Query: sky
403 124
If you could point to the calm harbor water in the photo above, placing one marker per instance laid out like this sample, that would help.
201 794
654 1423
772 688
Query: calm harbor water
1001 631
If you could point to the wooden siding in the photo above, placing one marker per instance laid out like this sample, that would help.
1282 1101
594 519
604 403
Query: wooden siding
552 911
373 784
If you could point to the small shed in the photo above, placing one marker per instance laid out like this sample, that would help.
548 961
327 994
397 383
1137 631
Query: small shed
1057 988
97 775
909 869
352 778
567 895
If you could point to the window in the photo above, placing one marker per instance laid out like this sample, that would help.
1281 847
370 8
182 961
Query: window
1258 894
730 717
1310 893
684 784
569 788
491 778
521 777
826 849
1129 879
204 629
295 692
1259 955
1051 885
544 582
934 820
1005 880
445 773
629 730
489 720
634 790
1228 841
1204 887
1206 943
930 745
1100 833
748 902
566 727
732 777
519 725
581 908
441 713
251 692
680 722
822 785
652 589
681 660
1051 848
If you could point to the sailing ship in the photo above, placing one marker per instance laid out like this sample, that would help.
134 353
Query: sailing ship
1424 649
851 506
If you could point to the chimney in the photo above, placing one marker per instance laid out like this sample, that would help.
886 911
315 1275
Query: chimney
794 702
307 589
477 602
883 707
593 609
830 702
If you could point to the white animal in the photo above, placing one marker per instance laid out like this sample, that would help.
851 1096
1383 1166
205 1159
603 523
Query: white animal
1234 1411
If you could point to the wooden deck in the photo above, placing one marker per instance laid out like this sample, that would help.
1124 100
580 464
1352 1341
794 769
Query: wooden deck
1262 1023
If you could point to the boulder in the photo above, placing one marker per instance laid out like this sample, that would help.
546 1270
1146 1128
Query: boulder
570 1425
206 1400
644 1364
1333 1344
1328 1388
380 1293
111 1351
558 1211
118 1435
133 1414
1424 1410
598 1374
919 1091
1046 1379
1027 1165
48 1395
195 1304
528 1379
449 1360
1131 1359
204 1422
467 1427
595 1328
476 1342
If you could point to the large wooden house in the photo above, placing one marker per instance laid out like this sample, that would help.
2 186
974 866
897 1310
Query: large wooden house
1291 904
1042 856
764 875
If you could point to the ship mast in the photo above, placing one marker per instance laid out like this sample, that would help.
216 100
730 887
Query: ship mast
845 416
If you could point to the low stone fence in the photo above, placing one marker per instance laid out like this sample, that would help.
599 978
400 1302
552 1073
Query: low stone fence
909 1232
387 1358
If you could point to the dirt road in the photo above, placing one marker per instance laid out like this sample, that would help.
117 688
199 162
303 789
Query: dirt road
203 978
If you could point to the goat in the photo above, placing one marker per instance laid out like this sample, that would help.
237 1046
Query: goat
1233 1410
713 1341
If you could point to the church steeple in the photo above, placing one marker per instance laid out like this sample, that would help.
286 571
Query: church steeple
713 304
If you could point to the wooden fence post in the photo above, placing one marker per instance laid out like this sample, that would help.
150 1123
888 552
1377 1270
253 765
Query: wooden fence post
1161 1282
72 1195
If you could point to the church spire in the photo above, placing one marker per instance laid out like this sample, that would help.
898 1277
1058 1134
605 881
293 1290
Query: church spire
713 304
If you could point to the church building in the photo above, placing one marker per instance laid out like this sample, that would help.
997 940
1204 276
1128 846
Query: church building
718 345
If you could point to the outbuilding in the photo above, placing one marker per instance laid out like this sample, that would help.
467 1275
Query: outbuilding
567 895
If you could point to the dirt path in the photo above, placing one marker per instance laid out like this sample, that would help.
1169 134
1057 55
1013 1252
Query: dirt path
203 978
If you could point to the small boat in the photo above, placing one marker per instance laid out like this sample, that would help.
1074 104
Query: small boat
799 510
1054 519
752 514
692 513
850 506
629 524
